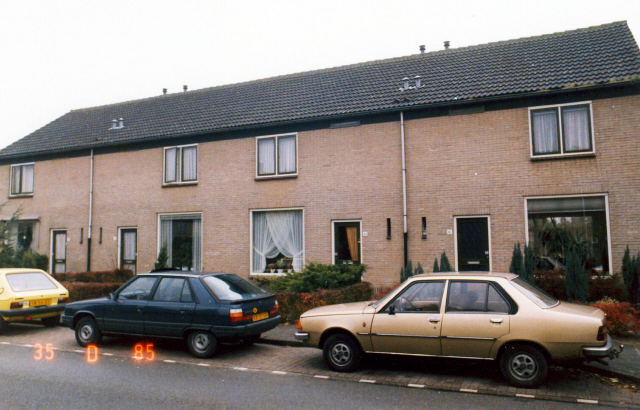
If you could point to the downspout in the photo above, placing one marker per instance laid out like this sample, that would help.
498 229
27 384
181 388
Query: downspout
404 192
90 215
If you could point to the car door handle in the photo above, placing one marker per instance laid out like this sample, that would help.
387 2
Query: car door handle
434 320
496 321
139 310
183 311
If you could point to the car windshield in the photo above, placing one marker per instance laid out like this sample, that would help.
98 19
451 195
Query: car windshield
27 281
383 299
232 287
537 295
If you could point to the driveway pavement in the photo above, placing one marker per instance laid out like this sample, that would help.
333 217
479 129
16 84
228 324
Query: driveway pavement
275 355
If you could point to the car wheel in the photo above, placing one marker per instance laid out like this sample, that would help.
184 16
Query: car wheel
87 332
51 321
342 353
202 344
523 366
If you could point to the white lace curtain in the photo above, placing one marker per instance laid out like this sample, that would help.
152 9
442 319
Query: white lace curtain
189 161
575 124
287 154
545 131
266 156
274 233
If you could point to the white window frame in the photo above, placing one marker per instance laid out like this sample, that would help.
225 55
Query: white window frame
558 108
277 174
21 194
304 245
194 214
178 180
455 237
120 228
333 239
606 207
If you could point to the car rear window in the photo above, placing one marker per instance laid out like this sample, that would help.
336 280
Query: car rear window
537 295
232 287
27 281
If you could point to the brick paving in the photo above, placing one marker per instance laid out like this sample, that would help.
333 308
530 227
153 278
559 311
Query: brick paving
563 384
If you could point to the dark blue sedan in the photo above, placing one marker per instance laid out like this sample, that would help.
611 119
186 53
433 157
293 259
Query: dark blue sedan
202 308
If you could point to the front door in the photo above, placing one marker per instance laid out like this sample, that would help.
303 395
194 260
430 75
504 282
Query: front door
128 248
59 252
473 244
346 247
411 323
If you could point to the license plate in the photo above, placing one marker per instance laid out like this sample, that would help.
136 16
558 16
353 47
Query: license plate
260 316
42 302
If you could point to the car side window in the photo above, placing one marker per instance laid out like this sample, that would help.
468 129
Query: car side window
173 290
496 303
420 297
139 289
472 296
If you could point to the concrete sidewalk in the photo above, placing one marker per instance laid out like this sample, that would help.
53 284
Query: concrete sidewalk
626 367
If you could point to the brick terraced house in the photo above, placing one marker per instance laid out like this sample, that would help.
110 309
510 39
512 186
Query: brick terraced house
465 150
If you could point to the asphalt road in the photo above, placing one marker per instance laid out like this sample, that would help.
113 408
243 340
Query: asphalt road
68 381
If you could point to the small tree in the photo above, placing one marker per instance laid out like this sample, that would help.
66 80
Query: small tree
517 266
163 258
408 271
445 266
575 279
436 268
630 275
529 264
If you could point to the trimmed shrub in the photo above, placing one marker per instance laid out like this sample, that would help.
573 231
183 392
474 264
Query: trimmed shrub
517 265
605 286
83 291
10 258
445 266
529 264
436 268
111 276
292 305
630 273
621 317
408 271
552 282
316 276
163 258
576 282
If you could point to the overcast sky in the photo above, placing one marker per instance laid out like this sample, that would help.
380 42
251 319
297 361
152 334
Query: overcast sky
56 56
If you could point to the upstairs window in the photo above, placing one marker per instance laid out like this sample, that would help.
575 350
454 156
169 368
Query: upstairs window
277 155
181 164
22 179
561 130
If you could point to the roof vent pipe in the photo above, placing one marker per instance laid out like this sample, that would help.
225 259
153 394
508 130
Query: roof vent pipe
422 48
164 91
121 123
184 87
446 45
418 80
406 83
114 125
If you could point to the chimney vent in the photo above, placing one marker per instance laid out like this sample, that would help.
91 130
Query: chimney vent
121 123
446 45
422 48
114 125
406 83
164 91
418 80
184 87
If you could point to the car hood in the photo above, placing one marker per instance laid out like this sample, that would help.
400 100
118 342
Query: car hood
88 301
355 308
580 310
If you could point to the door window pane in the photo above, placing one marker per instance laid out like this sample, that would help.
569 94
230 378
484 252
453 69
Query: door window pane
495 302
347 242
139 289
170 290
420 297
467 296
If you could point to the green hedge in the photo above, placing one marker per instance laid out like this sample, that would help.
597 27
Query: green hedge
84 291
316 276
111 276
292 305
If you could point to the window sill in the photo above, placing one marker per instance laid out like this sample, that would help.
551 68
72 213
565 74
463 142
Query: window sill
564 156
179 184
267 274
21 196
270 177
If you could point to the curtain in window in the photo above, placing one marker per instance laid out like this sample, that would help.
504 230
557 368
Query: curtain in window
197 244
286 231
266 156
352 240
189 163
263 246
545 131
170 156
129 248
27 178
60 252
287 154
15 180
166 236
575 124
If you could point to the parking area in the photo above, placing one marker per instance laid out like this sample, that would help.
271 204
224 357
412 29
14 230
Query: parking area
563 384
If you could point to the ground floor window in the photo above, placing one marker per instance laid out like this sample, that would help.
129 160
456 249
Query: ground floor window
346 242
182 236
277 239
557 225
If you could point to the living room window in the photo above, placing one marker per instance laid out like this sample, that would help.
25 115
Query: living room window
277 155
22 179
181 235
181 164
561 130
277 240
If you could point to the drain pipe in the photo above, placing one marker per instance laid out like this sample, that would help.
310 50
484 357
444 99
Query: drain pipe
404 192
90 215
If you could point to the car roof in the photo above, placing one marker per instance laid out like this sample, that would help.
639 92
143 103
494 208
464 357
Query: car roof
465 275
175 272
19 270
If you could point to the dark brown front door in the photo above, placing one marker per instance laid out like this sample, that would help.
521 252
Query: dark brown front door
473 244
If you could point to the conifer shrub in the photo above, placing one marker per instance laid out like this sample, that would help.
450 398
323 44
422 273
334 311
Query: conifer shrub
445 266
576 282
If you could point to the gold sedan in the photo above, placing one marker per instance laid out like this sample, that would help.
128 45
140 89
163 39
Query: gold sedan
468 315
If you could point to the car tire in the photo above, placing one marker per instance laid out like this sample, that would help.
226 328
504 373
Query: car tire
202 344
342 353
524 366
51 321
87 332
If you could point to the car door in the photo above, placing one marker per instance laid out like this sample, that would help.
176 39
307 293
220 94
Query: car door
411 322
171 309
476 315
125 313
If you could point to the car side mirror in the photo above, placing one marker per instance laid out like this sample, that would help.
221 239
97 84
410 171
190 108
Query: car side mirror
392 310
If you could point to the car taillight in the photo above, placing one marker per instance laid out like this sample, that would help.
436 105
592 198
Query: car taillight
16 305
602 333
63 300
274 310
236 315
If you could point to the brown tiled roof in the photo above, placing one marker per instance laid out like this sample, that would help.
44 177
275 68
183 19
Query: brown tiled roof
593 56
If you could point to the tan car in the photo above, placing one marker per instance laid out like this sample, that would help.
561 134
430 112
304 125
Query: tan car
468 315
